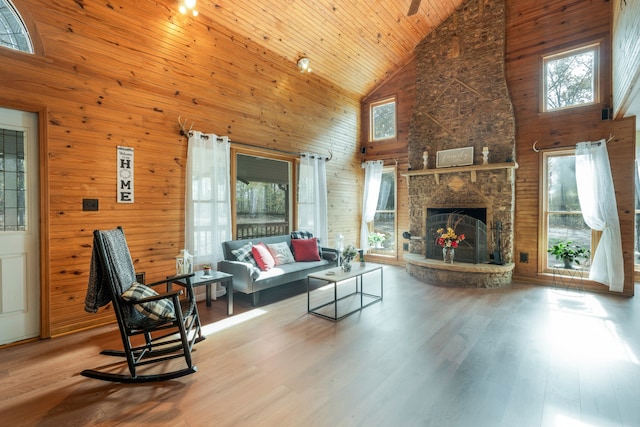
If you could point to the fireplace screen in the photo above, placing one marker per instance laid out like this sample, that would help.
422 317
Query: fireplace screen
473 249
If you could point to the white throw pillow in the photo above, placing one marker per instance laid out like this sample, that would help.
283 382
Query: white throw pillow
281 253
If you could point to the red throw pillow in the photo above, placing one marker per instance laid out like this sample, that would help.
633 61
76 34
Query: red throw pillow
262 256
305 249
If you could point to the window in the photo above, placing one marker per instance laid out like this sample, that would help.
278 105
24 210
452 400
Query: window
562 217
570 78
383 120
13 32
384 221
262 196
13 191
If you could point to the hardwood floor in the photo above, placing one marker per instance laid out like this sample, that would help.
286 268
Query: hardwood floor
524 355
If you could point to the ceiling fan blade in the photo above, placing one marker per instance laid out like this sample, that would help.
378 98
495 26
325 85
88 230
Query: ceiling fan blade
413 8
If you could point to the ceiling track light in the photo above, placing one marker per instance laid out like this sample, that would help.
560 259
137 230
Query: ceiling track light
304 65
187 6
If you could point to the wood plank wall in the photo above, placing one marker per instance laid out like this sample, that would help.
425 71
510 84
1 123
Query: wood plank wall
534 28
120 72
626 50
403 86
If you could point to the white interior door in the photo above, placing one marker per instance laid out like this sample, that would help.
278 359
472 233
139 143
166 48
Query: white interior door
19 227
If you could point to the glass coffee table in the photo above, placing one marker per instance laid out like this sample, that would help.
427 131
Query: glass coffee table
345 298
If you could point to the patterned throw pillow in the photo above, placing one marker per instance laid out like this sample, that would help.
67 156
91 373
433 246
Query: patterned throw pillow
244 254
281 253
155 310
301 235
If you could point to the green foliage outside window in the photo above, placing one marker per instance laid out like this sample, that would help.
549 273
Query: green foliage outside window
383 120
570 79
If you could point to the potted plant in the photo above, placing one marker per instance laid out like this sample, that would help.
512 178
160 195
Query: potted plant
376 240
207 269
569 253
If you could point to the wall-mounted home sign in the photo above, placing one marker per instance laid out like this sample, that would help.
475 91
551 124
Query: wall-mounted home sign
454 157
125 175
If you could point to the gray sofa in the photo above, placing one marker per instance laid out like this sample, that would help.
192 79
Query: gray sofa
250 280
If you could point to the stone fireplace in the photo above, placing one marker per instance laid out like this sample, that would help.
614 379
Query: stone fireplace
462 101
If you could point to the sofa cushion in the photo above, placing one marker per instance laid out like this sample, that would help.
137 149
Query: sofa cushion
281 253
263 257
305 249
289 272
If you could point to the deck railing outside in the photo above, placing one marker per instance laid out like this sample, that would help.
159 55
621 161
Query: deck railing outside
253 231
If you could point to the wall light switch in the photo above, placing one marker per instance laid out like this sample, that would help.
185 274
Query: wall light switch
89 204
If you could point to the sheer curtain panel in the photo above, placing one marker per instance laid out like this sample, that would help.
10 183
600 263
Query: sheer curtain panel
312 197
372 179
208 198
599 209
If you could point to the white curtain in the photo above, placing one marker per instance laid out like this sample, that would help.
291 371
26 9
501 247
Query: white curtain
208 201
599 209
312 197
372 179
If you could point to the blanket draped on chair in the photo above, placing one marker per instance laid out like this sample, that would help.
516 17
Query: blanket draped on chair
98 289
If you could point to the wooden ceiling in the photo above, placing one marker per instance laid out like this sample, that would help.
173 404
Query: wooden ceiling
354 44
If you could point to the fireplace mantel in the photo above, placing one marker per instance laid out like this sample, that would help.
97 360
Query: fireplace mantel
472 169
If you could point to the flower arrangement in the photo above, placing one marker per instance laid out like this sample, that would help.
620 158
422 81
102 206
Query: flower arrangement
447 237
349 253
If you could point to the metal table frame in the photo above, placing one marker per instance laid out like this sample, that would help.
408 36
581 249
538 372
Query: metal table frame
339 276
225 279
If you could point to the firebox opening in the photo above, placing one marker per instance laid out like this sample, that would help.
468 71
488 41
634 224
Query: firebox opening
474 249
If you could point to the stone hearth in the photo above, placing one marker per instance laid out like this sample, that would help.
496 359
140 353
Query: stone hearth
458 275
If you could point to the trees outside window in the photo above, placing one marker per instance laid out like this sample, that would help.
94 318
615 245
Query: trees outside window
263 198
562 217
383 120
384 222
570 78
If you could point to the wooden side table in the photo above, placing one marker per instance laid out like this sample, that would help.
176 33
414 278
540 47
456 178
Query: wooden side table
226 280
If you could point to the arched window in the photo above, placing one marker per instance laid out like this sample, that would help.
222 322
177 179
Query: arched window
13 32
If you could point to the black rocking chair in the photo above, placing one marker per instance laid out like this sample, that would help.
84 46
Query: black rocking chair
155 328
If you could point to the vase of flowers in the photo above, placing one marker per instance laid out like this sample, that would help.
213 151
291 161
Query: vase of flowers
447 254
449 240
348 253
